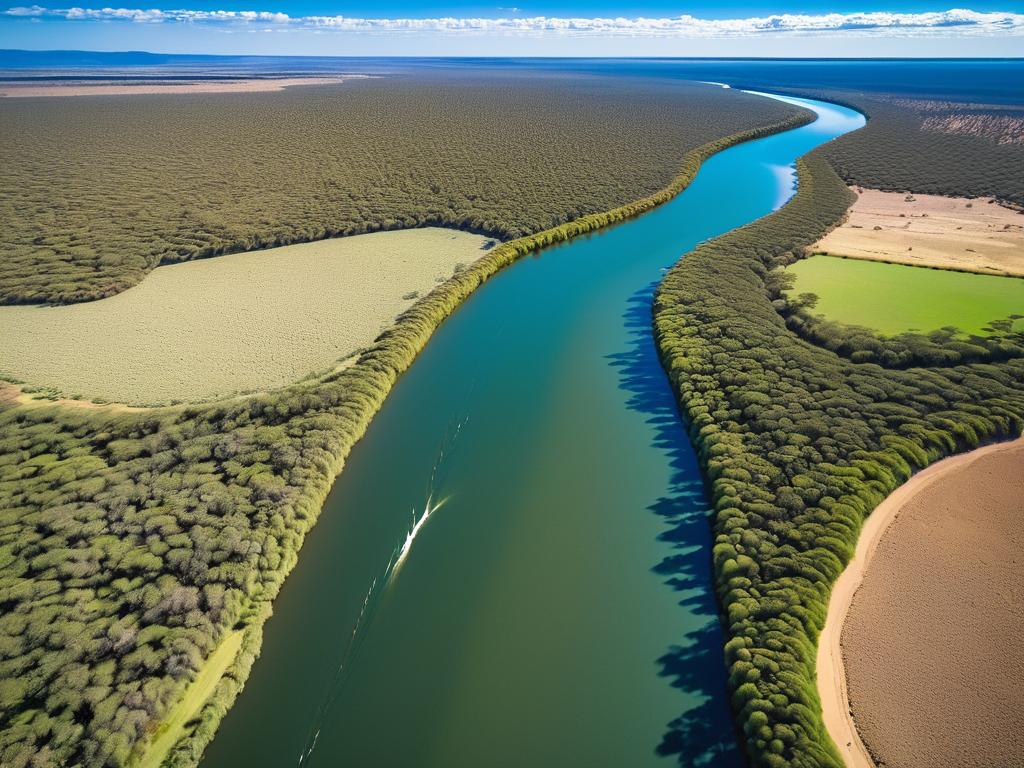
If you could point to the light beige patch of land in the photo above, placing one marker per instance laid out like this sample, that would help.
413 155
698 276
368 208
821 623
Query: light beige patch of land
238 323
1002 129
14 89
917 663
199 690
930 230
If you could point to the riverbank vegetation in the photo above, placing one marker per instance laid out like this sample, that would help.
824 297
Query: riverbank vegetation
134 542
798 444
98 191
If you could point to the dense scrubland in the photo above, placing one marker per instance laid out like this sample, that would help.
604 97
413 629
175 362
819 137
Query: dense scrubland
133 542
798 445
98 191
906 147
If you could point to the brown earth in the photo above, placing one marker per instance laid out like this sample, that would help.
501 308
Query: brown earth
129 88
931 643
930 230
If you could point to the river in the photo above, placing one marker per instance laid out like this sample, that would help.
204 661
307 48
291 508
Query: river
514 567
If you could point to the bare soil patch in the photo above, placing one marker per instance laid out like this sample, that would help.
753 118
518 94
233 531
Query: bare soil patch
13 89
930 643
238 323
976 235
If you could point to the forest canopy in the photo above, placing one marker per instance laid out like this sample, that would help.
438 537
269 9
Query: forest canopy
95 196
131 543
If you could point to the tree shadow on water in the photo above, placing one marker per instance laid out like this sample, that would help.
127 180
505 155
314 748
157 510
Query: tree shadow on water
703 734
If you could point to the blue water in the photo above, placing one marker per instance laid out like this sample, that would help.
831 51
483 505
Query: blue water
999 81
556 609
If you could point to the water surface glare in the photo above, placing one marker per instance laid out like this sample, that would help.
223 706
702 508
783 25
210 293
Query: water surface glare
557 608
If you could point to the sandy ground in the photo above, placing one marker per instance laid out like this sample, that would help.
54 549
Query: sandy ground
238 323
931 230
921 643
15 89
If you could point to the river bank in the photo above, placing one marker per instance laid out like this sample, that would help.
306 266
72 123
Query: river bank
831 666
559 388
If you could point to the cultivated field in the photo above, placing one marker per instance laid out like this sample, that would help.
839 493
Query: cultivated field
236 323
930 230
893 298
928 642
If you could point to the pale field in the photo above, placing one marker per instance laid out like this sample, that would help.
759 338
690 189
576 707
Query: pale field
231 324
930 230
130 88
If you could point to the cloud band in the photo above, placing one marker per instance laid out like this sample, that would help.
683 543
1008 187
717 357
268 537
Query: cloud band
938 23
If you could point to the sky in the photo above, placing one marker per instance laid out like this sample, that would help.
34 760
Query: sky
798 28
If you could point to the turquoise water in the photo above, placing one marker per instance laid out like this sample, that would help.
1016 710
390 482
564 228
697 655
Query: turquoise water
555 608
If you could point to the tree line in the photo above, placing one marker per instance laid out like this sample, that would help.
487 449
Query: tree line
798 444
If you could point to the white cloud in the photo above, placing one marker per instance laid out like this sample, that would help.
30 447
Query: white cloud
956 22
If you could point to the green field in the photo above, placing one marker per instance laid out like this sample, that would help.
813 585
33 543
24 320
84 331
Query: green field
892 298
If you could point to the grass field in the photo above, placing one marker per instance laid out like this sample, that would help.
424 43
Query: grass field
237 323
892 298
199 690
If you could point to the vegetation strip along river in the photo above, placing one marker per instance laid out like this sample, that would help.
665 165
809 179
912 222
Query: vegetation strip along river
514 567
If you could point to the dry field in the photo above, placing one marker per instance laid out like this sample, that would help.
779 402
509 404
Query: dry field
136 87
930 230
930 642
236 323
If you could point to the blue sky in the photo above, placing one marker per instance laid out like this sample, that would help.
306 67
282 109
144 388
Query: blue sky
522 27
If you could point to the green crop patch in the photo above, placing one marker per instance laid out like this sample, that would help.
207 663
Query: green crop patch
892 298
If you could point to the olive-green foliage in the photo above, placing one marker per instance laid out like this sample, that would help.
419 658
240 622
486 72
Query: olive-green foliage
798 445
894 152
130 542
96 191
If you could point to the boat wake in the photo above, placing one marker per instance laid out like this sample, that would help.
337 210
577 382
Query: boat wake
380 584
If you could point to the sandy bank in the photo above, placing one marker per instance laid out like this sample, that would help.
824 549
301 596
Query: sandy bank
237 323
922 625
12 89
930 230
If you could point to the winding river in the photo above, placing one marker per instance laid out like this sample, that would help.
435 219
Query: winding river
514 568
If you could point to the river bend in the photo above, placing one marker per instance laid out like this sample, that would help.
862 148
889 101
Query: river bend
514 568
